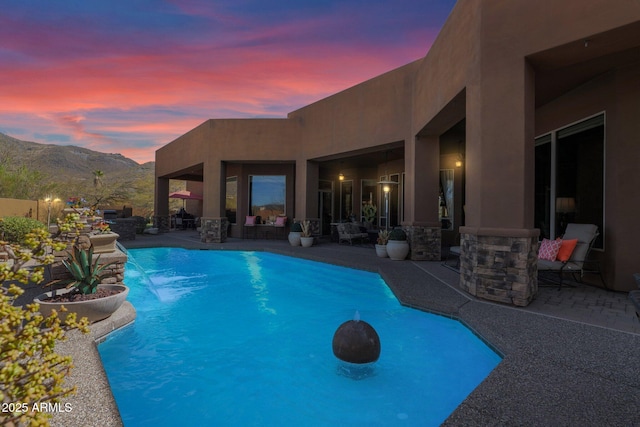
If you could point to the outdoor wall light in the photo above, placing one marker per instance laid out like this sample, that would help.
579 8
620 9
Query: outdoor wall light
341 177
458 163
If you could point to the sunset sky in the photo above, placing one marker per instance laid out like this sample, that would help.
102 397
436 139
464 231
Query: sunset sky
129 76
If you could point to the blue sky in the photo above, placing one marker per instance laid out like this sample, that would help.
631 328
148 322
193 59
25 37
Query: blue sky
130 76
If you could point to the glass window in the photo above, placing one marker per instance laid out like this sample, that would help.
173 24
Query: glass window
369 195
267 195
445 200
570 179
231 202
346 200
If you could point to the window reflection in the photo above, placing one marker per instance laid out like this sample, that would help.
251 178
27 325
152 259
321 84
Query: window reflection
231 202
267 196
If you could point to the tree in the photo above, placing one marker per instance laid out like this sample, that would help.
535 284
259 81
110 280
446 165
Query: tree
97 178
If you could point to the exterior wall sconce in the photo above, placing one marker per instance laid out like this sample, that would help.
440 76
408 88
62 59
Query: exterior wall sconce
458 163
341 176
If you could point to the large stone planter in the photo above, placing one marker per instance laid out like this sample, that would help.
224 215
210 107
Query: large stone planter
294 238
94 310
397 249
306 242
104 243
381 251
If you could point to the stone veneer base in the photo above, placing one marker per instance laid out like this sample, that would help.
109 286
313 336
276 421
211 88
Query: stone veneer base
424 242
499 264
214 230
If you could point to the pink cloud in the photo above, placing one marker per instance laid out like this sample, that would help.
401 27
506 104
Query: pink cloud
81 84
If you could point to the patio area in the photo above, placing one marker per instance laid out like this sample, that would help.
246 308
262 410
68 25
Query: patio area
570 357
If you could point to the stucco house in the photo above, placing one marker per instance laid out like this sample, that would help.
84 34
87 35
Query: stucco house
522 116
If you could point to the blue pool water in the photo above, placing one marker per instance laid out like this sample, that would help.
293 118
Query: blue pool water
244 339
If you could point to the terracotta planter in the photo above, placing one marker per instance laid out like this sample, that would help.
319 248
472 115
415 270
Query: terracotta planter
294 238
306 242
381 251
104 243
397 249
94 310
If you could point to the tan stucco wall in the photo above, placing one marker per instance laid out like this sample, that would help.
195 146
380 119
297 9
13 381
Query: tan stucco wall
19 207
483 67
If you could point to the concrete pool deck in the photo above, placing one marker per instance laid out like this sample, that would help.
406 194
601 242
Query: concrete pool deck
570 357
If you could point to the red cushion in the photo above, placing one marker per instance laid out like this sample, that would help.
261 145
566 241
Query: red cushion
549 249
566 249
251 220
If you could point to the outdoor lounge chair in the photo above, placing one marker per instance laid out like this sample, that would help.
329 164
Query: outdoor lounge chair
586 234
349 231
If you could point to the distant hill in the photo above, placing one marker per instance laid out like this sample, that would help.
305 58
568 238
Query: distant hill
68 162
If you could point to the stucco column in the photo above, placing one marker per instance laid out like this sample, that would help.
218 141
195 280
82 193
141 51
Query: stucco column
498 244
161 219
422 167
214 224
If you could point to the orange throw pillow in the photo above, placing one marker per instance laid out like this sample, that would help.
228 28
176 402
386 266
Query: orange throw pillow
566 249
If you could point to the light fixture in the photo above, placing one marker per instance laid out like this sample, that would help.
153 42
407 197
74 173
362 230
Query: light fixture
50 200
565 205
341 176
460 157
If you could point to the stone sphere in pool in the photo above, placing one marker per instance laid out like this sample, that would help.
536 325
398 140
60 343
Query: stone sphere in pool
356 341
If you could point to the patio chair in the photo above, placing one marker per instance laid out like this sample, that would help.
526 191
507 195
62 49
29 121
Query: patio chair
349 231
578 263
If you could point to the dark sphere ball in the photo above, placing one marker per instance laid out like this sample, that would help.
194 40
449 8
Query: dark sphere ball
356 341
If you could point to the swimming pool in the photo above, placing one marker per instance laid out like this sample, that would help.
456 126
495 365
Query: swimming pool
244 338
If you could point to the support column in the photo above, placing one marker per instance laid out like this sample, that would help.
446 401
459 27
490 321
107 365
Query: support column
161 218
423 229
214 226
498 258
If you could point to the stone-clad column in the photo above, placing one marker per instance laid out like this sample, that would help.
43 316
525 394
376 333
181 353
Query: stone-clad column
499 264
421 215
214 230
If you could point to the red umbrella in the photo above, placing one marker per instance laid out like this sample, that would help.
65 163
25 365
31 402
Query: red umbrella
184 195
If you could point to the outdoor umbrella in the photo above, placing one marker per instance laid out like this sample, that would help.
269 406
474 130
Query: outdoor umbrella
184 195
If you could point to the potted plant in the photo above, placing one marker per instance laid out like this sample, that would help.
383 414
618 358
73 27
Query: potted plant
397 246
381 246
84 294
295 233
102 238
306 240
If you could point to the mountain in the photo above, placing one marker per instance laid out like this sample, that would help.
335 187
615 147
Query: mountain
67 162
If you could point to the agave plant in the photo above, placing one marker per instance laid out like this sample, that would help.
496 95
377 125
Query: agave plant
87 273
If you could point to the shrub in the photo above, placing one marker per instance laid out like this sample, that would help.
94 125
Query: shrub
398 234
14 229
30 371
